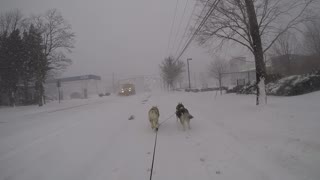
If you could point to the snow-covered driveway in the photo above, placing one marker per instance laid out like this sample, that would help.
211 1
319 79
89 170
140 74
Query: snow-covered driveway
230 138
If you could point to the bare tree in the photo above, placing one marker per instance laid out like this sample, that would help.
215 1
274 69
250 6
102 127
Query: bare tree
57 39
57 36
286 45
60 62
10 21
312 38
203 80
217 70
171 71
255 24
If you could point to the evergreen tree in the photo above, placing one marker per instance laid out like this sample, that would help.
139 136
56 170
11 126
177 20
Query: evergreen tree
28 66
28 58
35 64
3 63
11 58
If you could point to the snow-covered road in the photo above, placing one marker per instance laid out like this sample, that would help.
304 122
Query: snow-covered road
230 138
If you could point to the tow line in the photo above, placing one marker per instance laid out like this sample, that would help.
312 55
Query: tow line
155 145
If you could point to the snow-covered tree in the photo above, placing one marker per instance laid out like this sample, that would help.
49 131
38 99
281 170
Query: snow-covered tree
35 63
171 71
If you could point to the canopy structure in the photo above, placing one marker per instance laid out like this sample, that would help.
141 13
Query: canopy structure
74 87
75 78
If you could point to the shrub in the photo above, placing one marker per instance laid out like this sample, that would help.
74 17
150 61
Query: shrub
295 85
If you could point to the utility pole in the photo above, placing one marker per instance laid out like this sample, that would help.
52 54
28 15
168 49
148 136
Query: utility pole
113 89
59 92
189 59
195 80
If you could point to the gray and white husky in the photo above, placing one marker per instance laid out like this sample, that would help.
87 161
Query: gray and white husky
183 115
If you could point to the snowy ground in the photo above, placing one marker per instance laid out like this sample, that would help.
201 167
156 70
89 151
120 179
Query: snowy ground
230 138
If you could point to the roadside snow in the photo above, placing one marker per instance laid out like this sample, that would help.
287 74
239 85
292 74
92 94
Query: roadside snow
230 138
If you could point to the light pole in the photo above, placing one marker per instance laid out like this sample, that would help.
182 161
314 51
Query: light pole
189 59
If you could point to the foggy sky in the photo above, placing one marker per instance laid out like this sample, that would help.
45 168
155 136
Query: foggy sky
127 37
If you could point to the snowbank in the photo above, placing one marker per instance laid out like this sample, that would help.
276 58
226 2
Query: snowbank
288 86
295 85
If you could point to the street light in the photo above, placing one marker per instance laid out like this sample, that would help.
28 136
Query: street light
189 59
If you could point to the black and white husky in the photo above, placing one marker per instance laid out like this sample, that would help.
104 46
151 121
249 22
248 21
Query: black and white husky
183 115
154 117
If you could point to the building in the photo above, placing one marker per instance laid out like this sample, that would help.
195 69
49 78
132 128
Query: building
241 71
294 64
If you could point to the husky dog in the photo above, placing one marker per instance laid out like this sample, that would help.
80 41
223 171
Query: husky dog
178 107
154 117
183 114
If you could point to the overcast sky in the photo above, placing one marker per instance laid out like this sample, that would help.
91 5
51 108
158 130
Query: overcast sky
128 37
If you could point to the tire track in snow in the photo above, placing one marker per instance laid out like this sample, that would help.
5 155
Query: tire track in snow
231 152
128 151
242 152
36 140
52 133
52 136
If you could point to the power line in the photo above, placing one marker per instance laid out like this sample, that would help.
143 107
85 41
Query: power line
200 25
213 6
181 20
174 18
185 30
196 23
203 10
